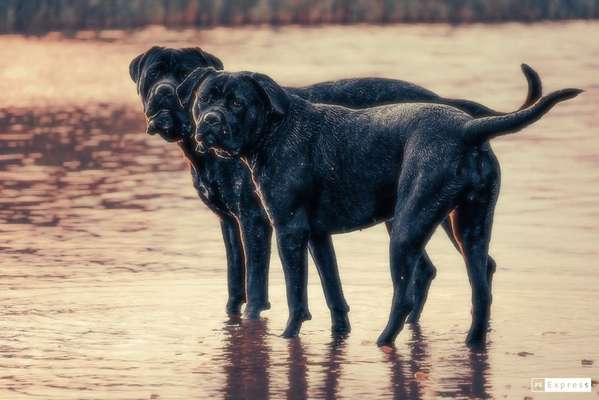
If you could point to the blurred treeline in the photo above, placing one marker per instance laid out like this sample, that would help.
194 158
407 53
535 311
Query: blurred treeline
39 16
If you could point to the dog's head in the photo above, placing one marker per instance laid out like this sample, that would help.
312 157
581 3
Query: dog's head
157 72
232 112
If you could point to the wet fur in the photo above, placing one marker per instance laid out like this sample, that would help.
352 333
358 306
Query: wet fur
325 169
225 185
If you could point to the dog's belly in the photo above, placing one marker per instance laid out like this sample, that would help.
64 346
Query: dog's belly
340 211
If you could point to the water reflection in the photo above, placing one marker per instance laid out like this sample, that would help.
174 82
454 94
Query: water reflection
54 160
412 374
335 358
247 360
297 371
471 375
471 379
75 185
409 379
248 364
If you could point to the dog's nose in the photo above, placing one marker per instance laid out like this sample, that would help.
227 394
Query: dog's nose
205 139
211 118
163 96
152 129
164 89
209 140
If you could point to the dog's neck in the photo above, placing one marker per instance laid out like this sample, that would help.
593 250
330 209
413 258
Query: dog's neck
187 145
275 134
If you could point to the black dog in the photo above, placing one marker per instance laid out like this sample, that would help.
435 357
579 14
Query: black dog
324 169
225 185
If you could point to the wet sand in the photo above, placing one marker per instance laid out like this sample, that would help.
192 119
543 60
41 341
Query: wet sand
113 272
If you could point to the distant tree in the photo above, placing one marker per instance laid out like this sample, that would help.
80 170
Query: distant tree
39 16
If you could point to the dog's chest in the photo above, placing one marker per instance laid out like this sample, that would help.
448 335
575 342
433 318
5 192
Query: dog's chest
219 186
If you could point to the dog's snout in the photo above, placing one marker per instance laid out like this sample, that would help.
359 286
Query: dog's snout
209 140
164 89
204 138
163 96
211 118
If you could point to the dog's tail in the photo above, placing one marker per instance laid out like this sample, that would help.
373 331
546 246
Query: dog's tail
535 91
535 87
482 129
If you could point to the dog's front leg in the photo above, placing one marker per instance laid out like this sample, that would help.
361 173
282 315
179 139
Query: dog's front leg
235 265
323 253
256 234
292 238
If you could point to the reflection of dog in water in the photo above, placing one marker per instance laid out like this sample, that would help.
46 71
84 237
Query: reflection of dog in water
249 358
248 361
410 379
298 369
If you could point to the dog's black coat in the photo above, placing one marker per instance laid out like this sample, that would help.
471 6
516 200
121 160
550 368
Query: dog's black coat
225 185
325 169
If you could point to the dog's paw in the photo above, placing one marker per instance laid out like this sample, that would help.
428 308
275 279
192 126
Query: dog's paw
386 339
476 339
292 330
340 323
234 307
385 343
252 312
294 324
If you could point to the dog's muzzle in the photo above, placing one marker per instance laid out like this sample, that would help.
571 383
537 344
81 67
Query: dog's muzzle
204 140
210 126
160 122
200 148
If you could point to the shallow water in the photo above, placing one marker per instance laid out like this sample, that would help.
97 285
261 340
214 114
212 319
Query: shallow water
113 272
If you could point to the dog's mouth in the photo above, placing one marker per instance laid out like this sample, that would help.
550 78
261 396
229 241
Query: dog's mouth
222 153
162 123
218 151
200 147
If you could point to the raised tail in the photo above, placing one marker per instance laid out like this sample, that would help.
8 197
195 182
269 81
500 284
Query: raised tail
535 91
483 129
535 87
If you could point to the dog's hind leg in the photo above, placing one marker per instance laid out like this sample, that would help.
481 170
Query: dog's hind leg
421 282
323 253
256 234
474 221
453 235
417 214
424 273
235 265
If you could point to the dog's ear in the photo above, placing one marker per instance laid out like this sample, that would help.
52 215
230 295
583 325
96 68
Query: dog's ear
207 59
135 67
187 88
211 60
137 64
274 94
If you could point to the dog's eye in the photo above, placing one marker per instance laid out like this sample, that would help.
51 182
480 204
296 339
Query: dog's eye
203 99
182 73
236 103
